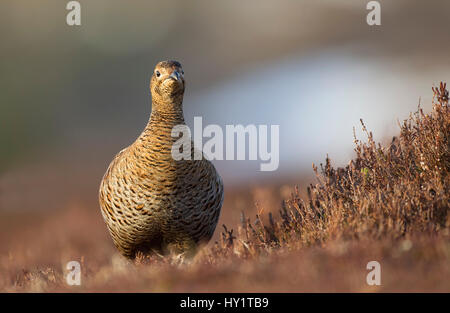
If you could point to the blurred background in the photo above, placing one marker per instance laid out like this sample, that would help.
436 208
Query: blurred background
73 96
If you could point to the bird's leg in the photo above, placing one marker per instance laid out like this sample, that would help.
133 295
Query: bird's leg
185 248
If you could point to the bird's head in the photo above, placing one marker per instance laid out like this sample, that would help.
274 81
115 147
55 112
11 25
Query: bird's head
167 84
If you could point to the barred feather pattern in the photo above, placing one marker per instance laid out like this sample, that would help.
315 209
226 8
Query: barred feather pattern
151 202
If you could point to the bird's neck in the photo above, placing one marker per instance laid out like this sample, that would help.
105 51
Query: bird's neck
168 118
163 119
167 111
155 142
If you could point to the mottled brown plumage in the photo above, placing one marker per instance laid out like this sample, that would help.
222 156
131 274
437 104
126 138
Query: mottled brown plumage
149 201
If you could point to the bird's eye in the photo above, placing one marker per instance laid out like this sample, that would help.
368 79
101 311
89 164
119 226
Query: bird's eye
182 72
157 73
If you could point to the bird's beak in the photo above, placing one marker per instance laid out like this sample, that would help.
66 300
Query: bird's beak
175 75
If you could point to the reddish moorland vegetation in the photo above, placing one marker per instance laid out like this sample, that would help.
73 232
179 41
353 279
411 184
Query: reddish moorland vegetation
389 204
